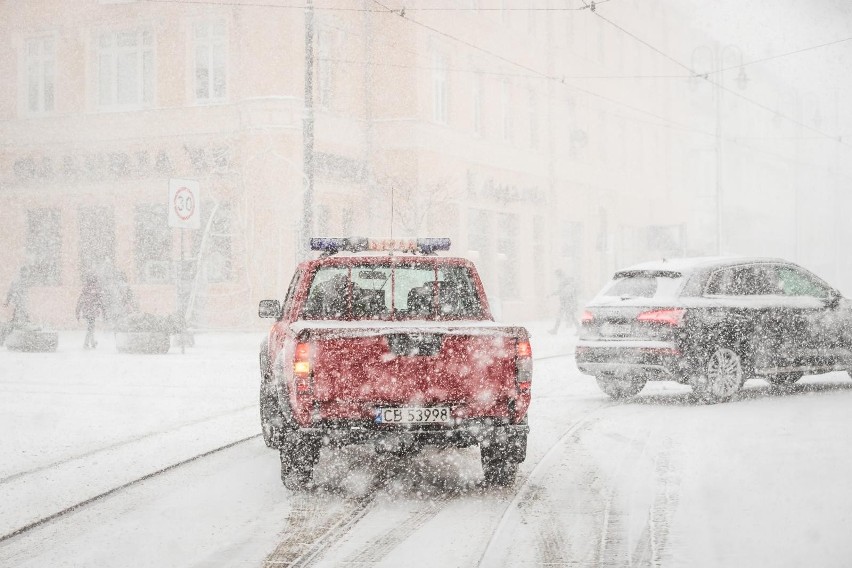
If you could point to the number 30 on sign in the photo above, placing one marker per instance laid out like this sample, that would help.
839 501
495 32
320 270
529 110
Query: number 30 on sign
184 200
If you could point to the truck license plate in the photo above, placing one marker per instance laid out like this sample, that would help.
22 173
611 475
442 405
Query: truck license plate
413 415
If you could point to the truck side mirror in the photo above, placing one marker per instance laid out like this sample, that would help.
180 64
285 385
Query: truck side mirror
269 309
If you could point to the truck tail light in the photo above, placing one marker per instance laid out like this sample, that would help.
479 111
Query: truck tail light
302 369
523 365
672 317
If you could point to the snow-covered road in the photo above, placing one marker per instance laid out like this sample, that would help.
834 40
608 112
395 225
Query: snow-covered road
654 481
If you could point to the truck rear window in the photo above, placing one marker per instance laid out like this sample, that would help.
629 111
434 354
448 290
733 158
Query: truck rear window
385 292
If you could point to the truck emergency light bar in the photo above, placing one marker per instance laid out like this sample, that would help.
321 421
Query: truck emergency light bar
333 245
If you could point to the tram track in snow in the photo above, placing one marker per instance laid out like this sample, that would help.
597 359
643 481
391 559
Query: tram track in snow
121 444
112 491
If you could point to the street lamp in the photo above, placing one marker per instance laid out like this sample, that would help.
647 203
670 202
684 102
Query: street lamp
718 56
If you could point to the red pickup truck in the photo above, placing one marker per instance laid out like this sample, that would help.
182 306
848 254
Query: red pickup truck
385 342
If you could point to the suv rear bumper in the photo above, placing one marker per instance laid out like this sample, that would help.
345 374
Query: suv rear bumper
653 360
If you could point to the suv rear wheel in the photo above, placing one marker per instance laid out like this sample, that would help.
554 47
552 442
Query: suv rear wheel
618 387
721 375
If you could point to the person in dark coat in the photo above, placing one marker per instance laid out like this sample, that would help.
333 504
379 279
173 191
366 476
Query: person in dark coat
567 295
90 305
17 298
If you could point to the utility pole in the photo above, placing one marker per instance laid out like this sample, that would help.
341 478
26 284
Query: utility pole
308 133
719 157
717 57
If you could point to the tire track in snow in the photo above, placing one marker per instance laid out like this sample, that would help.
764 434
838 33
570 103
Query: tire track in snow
651 549
522 489
311 528
377 549
614 547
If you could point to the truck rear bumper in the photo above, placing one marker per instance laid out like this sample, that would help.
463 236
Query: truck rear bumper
468 433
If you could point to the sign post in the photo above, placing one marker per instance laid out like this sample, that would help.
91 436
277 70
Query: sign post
184 213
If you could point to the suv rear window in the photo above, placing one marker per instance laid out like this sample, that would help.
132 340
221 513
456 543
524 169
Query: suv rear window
643 284
384 292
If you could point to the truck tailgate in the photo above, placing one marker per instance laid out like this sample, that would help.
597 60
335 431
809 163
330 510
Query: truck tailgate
471 368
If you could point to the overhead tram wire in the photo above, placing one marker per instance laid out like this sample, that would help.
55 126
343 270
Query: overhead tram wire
475 71
254 4
536 72
773 111
780 55
668 122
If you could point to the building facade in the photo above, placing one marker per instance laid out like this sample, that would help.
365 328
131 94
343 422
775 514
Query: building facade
482 122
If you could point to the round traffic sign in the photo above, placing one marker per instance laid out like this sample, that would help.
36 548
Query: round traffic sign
184 203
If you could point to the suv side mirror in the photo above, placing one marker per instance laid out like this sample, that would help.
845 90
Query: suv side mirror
269 309
833 299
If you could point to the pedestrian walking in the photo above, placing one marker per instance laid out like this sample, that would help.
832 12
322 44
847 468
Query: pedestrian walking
567 296
17 297
90 305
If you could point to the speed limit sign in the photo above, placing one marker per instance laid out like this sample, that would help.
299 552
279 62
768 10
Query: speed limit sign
184 201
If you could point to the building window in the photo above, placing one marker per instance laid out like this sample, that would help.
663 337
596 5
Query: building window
126 68
97 239
41 70
477 103
216 256
152 244
44 246
480 239
506 110
439 88
538 254
507 248
210 61
571 250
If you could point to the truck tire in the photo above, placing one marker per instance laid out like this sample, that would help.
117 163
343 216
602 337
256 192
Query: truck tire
272 422
498 465
299 454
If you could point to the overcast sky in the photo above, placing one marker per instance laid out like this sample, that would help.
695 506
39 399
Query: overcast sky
769 28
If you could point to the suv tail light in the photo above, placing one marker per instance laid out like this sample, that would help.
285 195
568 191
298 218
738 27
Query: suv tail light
523 365
672 317
587 317
302 369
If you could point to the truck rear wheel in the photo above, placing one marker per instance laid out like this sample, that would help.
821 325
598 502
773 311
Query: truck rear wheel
499 462
498 470
271 419
299 454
